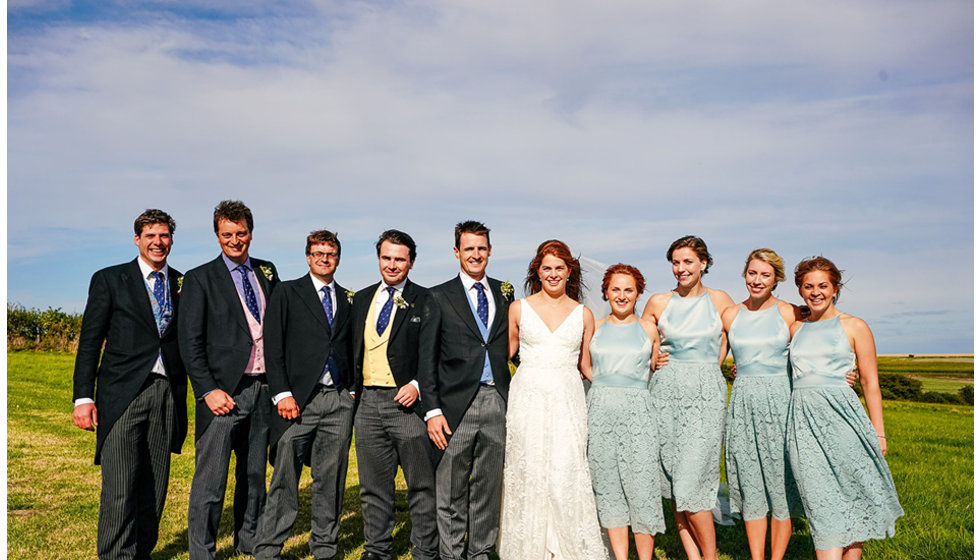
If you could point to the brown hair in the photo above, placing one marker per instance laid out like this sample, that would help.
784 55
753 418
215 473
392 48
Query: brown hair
555 248
695 243
233 211
321 236
769 257
474 227
152 216
626 269
812 264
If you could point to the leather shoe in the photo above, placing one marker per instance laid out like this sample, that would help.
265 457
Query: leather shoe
373 556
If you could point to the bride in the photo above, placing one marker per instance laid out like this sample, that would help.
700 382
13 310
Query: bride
548 508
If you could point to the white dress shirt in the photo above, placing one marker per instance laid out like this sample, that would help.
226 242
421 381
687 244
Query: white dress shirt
318 286
380 298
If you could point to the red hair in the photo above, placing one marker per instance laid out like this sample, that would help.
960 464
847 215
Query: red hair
626 269
555 248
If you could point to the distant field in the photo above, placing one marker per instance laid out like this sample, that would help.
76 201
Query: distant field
52 485
944 374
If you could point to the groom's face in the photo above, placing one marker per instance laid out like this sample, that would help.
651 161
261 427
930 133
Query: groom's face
473 253
394 262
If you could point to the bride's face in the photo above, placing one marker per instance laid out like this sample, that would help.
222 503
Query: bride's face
553 274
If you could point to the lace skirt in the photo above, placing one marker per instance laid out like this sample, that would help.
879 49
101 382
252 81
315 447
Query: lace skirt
760 481
690 399
847 489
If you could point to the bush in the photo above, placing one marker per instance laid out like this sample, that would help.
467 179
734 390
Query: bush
902 387
943 398
50 330
966 394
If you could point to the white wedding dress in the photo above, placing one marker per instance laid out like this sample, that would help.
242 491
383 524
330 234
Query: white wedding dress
548 510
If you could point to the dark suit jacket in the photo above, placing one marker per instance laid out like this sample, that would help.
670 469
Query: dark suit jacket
409 329
298 341
215 341
118 312
451 380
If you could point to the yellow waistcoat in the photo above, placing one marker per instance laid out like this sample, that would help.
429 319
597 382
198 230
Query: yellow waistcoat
377 372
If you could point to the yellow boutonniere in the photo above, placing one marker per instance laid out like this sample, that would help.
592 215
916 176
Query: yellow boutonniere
350 296
507 289
400 302
267 272
180 284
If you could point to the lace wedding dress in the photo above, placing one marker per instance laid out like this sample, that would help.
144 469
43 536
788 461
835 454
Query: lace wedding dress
548 508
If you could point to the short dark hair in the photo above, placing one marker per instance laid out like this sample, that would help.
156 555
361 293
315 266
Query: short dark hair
321 236
474 227
694 243
233 211
152 216
398 238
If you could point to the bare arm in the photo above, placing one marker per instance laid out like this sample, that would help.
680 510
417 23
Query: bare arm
863 344
513 328
722 302
654 335
585 358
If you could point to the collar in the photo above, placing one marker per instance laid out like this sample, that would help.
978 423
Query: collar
319 285
232 265
468 282
146 269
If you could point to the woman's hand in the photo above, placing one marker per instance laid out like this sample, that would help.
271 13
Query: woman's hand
663 359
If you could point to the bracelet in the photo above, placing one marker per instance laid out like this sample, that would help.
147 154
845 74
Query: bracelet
882 437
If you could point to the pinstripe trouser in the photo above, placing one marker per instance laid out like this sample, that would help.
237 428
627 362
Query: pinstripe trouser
469 477
135 471
244 430
387 435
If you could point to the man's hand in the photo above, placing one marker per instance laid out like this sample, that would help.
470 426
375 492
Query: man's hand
663 359
438 430
219 402
407 395
85 416
288 408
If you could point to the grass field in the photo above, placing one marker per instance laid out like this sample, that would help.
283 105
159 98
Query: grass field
53 487
943 374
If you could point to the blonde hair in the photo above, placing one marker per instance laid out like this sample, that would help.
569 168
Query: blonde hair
769 257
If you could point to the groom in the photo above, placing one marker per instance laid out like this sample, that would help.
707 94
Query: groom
465 393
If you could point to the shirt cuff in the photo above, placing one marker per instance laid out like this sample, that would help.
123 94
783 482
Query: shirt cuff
432 414
415 383
83 400
281 396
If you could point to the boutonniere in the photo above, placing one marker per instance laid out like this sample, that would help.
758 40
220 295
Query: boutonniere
267 272
400 302
350 296
507 289
180 284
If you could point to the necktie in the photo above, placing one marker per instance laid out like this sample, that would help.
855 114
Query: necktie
331 360
385 315
250 301
160 294
482 306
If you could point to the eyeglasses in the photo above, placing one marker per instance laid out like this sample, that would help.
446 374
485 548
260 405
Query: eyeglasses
320 255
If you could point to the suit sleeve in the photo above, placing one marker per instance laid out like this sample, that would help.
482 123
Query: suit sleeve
274 337
427 375
192 335
95 326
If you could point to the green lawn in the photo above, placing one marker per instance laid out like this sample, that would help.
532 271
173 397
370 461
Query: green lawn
52 485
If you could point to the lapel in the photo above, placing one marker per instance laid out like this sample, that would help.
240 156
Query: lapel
260 277
133 277
503 308
342 307
221 278
172 279
360 313
309 295
459 300
408 294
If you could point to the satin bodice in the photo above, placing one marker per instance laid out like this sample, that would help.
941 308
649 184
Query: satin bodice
621 355
690 329
821 355
760 342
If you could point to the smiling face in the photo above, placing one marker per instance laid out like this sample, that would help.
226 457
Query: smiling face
394 262
687 267
323 259
553 274
473 253
234 238
622 294
154 242
760 278
818 291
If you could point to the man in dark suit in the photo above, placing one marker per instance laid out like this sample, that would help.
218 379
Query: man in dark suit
308 359
220 332
139 411
389 325
464 393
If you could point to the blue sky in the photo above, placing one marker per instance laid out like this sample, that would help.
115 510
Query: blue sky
835 128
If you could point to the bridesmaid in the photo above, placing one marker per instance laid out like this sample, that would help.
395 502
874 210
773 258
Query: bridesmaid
759 483
837 450
690 393
623 420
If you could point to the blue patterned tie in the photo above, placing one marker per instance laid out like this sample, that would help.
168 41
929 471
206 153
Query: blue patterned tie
250 301
385 315
482 306
160 294
331 366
